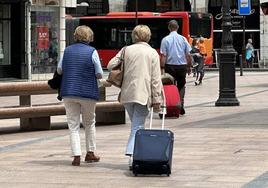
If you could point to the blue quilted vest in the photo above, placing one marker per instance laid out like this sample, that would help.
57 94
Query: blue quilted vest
78 78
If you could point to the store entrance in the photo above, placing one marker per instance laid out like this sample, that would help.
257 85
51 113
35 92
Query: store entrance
11 40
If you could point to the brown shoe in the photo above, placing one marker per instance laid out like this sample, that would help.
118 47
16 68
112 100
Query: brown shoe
76 161
91 157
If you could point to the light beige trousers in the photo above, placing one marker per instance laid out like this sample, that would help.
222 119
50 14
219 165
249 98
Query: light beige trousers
74 107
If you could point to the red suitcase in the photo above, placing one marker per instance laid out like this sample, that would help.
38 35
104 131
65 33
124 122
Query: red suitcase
173 101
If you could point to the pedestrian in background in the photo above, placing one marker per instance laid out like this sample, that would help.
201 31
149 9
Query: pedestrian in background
80 68
202 47
198 62
176 58
249 53
141 87
194 52
200 68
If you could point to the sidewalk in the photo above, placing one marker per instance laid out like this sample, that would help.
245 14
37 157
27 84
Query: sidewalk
215 147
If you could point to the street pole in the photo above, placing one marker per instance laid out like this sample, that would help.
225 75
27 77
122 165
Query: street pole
136 15
244 42
227 54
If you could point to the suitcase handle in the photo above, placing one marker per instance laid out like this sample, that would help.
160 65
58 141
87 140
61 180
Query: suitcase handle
164 108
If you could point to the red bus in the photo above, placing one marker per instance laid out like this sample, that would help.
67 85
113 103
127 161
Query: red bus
113 31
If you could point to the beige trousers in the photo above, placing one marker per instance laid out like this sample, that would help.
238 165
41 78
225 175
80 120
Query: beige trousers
74 107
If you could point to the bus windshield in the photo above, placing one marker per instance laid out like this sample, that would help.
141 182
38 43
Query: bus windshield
116 33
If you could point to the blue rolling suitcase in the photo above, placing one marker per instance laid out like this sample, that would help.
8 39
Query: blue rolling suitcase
153 150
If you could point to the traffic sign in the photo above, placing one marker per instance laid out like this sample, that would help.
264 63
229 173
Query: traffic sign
244 7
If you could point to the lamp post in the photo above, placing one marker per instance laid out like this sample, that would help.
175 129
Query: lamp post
136 13
227 58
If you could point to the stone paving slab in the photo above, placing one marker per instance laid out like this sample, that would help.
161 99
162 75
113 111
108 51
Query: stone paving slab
215 147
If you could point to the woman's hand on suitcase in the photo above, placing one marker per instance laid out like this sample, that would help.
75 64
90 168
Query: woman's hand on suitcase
156 107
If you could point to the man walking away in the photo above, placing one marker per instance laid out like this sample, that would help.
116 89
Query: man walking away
176 58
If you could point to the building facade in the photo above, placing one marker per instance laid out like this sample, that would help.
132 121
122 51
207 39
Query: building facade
264 36
32 37
12 48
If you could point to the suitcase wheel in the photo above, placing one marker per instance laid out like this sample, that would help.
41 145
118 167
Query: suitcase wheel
135 169
166 169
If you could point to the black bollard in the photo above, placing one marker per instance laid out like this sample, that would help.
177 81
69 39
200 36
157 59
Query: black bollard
241 65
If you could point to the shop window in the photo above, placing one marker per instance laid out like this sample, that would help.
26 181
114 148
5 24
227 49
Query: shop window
44 39
5 35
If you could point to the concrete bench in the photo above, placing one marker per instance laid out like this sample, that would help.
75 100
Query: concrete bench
38 117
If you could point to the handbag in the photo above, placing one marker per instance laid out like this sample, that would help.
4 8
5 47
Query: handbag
116 75
55 83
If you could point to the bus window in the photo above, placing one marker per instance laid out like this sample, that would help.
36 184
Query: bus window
110 33
159 29
199 26
125 37
113 34
116 33
71 24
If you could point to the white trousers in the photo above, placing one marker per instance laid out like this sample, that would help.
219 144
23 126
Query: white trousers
74 107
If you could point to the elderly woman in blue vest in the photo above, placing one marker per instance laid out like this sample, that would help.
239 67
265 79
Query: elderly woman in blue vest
142 83
80 68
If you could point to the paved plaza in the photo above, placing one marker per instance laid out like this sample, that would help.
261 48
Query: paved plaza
214 147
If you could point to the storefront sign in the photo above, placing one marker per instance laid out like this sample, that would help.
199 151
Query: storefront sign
237 22
43 37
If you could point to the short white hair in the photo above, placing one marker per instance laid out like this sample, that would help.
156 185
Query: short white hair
141 33
83 33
